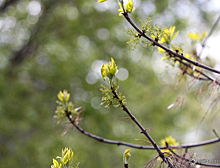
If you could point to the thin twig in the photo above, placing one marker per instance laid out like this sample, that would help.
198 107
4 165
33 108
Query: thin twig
208 142
196 77
202 73
216 133
210 33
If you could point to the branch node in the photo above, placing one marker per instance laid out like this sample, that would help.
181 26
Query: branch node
142 132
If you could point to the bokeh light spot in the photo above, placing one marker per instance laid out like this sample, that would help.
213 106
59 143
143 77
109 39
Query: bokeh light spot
72 13
83 42
91 78
103 34
122 74
32 19
34 8
95 102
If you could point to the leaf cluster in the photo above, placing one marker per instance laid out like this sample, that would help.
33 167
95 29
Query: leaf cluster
112 87
64 106
121 100
134 41
154 31
65 159
108 98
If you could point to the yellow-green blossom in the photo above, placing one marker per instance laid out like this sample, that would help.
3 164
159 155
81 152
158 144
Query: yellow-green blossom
56 164
100 1
109 70
129 7
60 114
65 107
126 156
170 141
63 96
190 57
66 159
196 36
120 10
160 50
104 71
113 67
67 155
168 35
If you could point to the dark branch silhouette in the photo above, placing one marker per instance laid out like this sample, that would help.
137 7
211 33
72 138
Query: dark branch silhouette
202 73
193 161
7 4
101 139
143 130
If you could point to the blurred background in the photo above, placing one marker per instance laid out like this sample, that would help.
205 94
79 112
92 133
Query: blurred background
51 45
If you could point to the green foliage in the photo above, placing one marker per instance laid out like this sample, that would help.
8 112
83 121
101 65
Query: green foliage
121 100
133 42
112 86
146 26
64 107
156 32
108 97
177 47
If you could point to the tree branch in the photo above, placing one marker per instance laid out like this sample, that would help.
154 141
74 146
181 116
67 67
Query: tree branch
208 142
202 73
101 139
141 33
142 130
